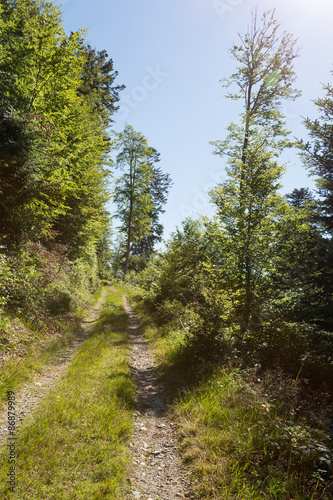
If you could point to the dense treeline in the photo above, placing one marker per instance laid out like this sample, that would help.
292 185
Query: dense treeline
264 260
58 97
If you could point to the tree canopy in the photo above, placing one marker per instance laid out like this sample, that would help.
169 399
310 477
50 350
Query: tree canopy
248 203
139 193
57 99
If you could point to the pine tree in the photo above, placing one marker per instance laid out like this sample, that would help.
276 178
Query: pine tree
98 83
300 198
318 154
132 197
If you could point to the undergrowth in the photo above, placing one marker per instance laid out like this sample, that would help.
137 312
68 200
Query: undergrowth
248 431
43 296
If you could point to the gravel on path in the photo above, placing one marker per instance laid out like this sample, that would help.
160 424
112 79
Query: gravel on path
157 471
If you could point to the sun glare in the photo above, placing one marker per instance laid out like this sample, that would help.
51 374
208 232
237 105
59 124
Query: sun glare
313 7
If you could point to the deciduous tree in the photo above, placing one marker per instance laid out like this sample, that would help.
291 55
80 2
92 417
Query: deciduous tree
158 189
248 203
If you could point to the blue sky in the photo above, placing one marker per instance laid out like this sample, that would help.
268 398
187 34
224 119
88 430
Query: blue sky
171 55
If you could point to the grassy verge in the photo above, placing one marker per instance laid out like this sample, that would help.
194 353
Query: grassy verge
29 348
35 349
240 438
75 446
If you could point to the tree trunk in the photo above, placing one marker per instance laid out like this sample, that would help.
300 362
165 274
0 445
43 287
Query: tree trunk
129 230
128 244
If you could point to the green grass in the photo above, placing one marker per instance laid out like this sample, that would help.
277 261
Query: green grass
31 348
40 349
76 444
239 446
238 440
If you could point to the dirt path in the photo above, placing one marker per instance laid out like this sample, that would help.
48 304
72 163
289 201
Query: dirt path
28 396
157 472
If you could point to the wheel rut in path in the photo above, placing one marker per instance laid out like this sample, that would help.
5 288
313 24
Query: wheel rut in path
157 472
28 396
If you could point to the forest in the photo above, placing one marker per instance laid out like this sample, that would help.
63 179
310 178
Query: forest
237 308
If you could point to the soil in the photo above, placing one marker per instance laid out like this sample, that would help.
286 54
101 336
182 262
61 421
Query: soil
157 472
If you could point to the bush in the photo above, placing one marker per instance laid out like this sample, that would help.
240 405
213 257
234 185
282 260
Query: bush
24 280
34 278
6 277
58 299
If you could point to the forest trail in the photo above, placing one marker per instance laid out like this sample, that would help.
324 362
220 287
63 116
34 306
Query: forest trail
28 396
157 472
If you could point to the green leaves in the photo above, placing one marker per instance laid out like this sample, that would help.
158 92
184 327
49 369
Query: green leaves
318 154
58 97
136 193
248 204
41 64
265 74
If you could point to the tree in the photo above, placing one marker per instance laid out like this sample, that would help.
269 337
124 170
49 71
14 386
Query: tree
132 197
98 83
158 189
248 203
39 64
300 198
57 97
40 68
118 254
84 156
179 273
318 155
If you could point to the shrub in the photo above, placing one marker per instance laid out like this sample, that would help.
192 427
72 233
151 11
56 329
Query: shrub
58 299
